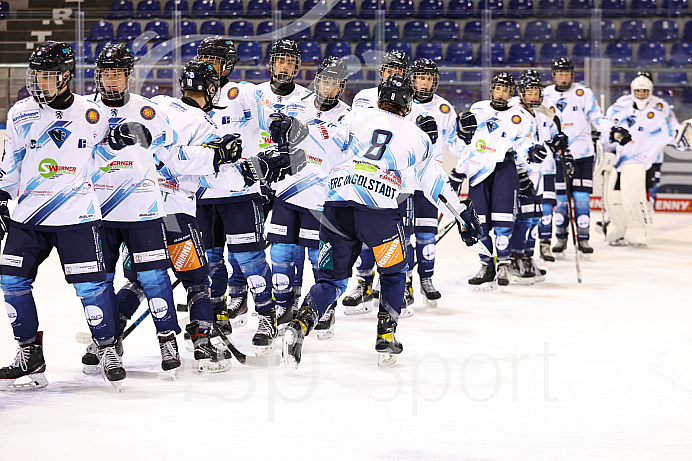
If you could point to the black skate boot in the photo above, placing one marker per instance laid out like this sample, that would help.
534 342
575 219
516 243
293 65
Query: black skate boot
28 362
325 327
501 275
539 273
386 344
111 365
514 270
484 279
585 250
359 301
546 255
210 359
285 313
266 333
429 291
559 248
407 309
376 289
527 276
237 310
170 358
90 360
295 334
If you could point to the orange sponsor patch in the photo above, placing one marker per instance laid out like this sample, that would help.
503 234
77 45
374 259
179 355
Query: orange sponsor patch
389 254
184 256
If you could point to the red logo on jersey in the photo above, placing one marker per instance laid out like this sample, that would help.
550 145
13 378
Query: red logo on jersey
323 132
233 93
444 108
580 92
650 115
92 116
516 119
147 112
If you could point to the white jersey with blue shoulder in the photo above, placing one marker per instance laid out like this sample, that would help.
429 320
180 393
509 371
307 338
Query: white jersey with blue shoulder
365 98
267 102
446 118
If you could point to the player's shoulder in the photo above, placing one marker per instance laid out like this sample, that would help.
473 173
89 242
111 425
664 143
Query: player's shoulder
24 110
480 106
659 104
581 90
444 106
94 113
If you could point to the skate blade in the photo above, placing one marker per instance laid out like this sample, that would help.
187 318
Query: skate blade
188 345
173 374
239 321
117 385
360 309
522 281
430 303
91 369
406 312
325 334
265 350
584 256
207 366
487 286
560 256
290 362
385 359
36 381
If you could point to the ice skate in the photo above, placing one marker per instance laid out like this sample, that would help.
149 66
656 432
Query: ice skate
237 310
407 309
210 359
501 274
386 345
514 270
585 250
111 365
526 275
540 273
559 248
266 333
285 314
28 363
170 358
325 327
431 295
359 301
294 336
546 255
484 279
90 359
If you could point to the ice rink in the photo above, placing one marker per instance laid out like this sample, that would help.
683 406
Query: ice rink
553 371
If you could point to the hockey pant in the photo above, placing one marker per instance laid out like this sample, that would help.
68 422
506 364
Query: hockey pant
629 211
365 265
252 268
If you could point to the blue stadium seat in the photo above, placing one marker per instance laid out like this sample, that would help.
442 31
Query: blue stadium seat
680 54
172 5
121 9
429 50
300 30
521 53
5 13
266 28
632 30
458 9
212 27
460 98
519 9
160 28
664 30
507 31
459 53
326 30
472 76
550 8
235 76
687 32
537 31
241 29
343 9
355 31
249 52
666 95
400 46
497 54
551 51
310 52
188 51
163 52
619 53
338 49
642 8
613 8
202 8
148 9
289 8
257 75
149 90
428 9
651 53
576 8
672 78
188 28
102 30
416 31
138 47
473 31
447 76
496 6
673 8
369 7
607 30
400 9
446 31
230 8
391 30
580 51
128 30
367 48
569 31
87 51
259 9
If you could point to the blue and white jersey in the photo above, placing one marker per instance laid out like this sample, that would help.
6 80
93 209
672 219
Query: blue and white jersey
49 158
446 118
577 109
267 102
652 128
127 188
381 149
498 132
365 98
307 188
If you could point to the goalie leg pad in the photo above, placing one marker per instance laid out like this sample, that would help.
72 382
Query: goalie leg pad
636 206
613 206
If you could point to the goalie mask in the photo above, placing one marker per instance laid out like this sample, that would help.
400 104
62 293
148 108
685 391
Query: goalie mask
641 87
201 76
51 67
330 81
113 73
284 61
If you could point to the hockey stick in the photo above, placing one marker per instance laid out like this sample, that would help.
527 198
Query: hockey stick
263 361
480 245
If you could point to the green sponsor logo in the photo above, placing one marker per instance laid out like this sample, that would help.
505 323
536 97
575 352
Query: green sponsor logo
325 260
49 168
366 167
265 140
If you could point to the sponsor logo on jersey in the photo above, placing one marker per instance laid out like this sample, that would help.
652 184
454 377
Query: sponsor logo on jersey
325 259
59 136
516 119
158 307
256 284
650 115
368 168
568 125
491 125
277 229
392 178
388 254
116 165
94 315
280 281
481 147
315 160
265 140
184 256
233 93
24 117
323 131
58 114
81 268
82 144
148 256
366 183
580 92
147 112
145 185
309 234
444 108
92 116
114 112
11 260
49 168
239 239
169 184
561 105
178 106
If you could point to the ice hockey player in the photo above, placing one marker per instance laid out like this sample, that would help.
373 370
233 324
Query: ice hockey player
425 79
577 110
630 172
53 145
295 221
358 301
361 207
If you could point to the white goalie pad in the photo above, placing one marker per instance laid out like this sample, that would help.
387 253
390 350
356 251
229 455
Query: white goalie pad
638 209
612 201
683 139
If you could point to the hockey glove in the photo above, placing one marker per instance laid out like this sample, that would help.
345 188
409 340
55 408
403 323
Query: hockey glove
129 134
456 180
227 149
620 135
286 131
559 143
595 135
569 164
428 125
4 213
266 166
537 153
525 185
472 232
466 126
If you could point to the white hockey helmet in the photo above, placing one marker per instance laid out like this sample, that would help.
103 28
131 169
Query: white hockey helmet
641 82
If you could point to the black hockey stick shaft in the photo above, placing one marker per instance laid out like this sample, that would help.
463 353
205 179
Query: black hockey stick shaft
264 361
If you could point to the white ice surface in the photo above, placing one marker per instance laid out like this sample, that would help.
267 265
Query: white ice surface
554 371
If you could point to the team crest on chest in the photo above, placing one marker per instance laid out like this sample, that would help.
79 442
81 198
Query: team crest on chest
650 115
580 92
147 112
444 108
233 93
516 119
92 116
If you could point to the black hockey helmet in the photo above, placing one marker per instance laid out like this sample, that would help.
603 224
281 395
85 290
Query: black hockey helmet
114 56
424 67
53 57
645 73
201 76
501 80
530 73
396 90
213 49
281 51
530 82
332 72
395 60
562 65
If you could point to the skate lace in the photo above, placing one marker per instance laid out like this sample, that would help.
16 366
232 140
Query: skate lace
168 351
358 291
265 325
21 359
427 285
235 303
109 360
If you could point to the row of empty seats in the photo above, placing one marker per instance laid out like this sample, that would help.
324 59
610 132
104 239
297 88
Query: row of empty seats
396 8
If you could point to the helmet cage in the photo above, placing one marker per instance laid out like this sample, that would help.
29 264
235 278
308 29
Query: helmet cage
274 61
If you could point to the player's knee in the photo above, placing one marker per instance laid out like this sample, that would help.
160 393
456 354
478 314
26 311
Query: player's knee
283 254
12 284
87 290
154 277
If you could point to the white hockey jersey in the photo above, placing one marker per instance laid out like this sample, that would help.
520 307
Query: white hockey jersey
49 158
365 98
127 188
267 102
446 118
652 128
307 188
578 110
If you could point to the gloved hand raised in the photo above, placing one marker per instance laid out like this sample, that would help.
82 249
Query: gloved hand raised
429 125
286 131
227 149
129 134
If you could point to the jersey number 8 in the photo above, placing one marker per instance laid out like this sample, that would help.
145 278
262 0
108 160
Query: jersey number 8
379 146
